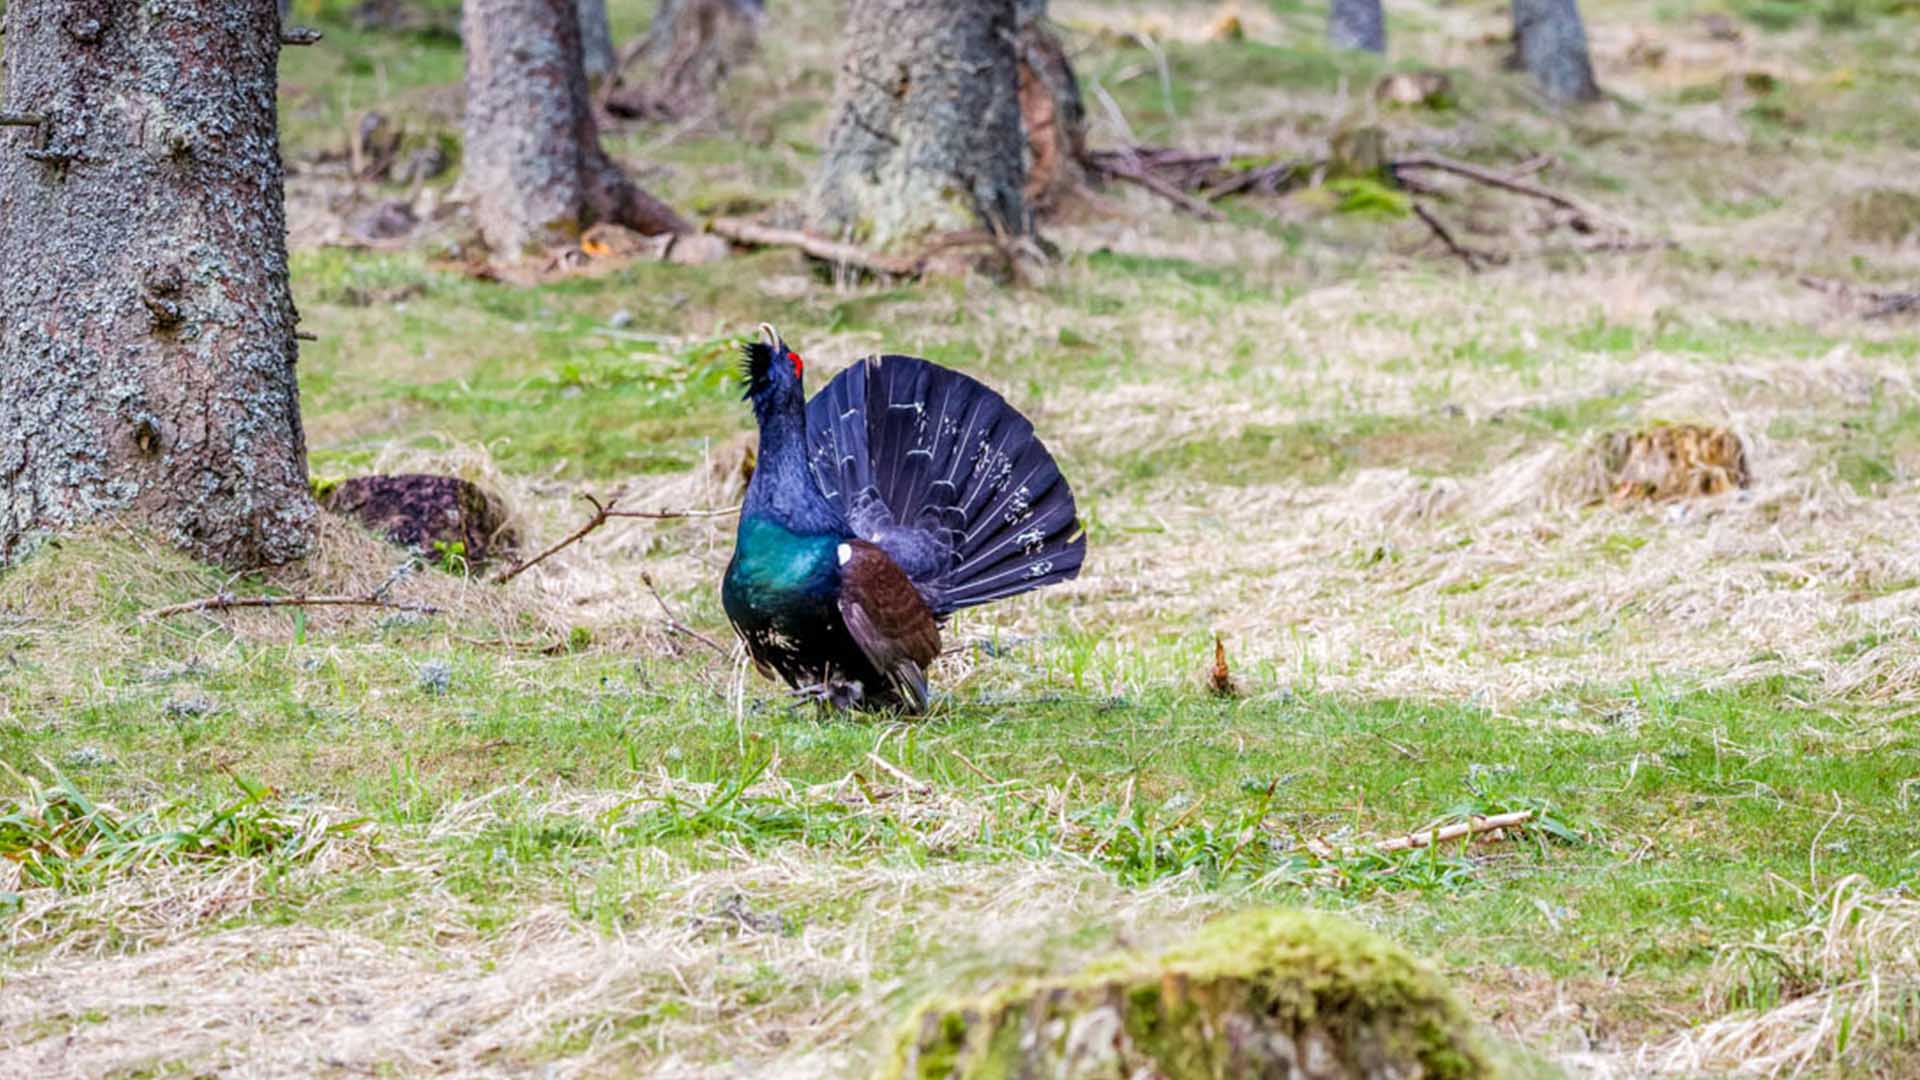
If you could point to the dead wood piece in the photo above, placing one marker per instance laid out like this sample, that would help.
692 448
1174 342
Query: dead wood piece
1468 255
1883 303
602 513
224 601
754 234
1586 217
1475 826
1133 172
1674 461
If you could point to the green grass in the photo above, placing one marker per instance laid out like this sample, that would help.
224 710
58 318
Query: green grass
1292 429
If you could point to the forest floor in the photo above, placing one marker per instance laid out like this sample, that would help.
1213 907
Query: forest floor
547 833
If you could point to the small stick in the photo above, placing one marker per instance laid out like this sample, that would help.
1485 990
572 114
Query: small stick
224 601
1466 255
1505 183
599 518
673 623
900 774
300 35
752 233
669 515
8 119
302 335
1131 171
1469 827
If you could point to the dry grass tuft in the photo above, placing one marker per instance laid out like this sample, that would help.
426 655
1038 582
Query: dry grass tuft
1849 979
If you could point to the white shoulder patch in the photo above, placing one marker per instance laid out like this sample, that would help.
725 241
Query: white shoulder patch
846 553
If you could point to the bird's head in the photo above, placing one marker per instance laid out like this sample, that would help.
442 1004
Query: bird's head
770 373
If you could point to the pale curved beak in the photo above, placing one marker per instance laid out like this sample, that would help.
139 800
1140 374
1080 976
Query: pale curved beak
773 336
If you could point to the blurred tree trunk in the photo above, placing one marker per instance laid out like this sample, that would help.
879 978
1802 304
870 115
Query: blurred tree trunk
1357 24
596 40
1550 42
926 134
534 171
147 351
1051 109
690 49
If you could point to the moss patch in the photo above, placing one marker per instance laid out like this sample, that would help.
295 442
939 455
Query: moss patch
1264 992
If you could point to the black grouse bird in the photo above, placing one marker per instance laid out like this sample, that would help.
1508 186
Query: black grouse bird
901 493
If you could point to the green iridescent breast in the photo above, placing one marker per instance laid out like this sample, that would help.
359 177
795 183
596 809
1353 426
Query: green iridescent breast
773 567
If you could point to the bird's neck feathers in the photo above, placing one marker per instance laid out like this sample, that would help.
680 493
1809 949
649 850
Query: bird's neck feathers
782 487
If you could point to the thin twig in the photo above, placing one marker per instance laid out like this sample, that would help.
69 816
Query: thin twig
1129 169
598 519
673 623
670 515
1467 255
1469 827
300 35
8 119
224 601
913 784
1518 186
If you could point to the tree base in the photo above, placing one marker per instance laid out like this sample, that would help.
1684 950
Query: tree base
1261 994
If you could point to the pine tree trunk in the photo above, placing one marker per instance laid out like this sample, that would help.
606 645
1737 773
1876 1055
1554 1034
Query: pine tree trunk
1551 44
1357 24
147 352
534 170
1051 109
926 135
690 49
596 40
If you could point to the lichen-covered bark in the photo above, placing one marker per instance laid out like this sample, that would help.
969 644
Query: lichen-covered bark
1357 24
1051 109
534 170
1260 994
596 40
147 350
690 49
926 135
1550 42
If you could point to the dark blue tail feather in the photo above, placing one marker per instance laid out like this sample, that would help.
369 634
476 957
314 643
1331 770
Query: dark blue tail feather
947 477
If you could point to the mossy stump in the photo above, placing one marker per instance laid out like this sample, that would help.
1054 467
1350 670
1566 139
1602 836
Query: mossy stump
1262 994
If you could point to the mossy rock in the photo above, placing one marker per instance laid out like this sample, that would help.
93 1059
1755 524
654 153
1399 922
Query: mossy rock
1261 994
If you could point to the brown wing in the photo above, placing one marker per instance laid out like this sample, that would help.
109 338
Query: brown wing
888 620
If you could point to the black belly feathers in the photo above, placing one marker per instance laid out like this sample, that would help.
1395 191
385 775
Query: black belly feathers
928 491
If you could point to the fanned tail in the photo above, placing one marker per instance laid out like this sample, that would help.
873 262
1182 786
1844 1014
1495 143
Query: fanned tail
947 478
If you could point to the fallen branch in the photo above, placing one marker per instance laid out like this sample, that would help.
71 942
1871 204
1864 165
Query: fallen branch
224 601
1884 303
1472 258
757 235
602 513
1130 170
1589 216
1469 827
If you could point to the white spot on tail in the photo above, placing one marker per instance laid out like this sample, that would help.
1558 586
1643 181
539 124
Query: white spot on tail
846 553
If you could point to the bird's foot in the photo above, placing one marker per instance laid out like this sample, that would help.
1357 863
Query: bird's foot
832 692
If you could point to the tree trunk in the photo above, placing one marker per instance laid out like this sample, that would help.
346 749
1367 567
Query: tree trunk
147 353
690 49
926 135
596 40
535 173
1051 109
1551 44
1357 24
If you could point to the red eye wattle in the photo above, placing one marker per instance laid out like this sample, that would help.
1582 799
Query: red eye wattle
797 364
